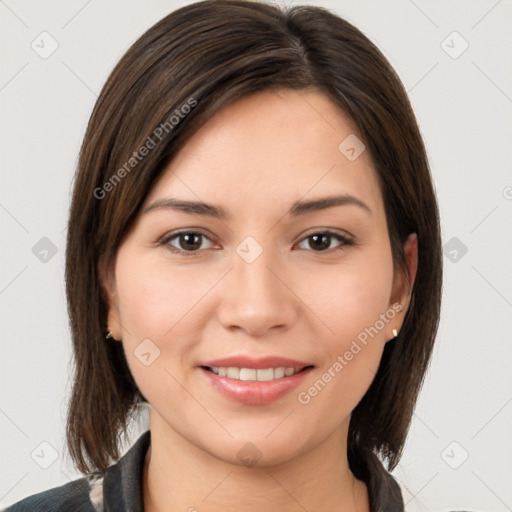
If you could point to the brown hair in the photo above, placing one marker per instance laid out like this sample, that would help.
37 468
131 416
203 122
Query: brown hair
207 55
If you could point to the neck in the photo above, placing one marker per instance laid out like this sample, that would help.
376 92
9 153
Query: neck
180 476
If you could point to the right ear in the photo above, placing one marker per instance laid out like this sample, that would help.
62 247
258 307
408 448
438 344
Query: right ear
108 287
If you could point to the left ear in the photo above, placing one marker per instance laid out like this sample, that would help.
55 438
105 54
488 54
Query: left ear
402 286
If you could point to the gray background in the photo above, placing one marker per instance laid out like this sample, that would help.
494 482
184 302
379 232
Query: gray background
463 102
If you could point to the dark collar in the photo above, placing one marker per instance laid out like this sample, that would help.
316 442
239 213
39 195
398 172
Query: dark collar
122 484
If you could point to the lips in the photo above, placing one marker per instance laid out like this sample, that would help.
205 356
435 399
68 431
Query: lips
255 381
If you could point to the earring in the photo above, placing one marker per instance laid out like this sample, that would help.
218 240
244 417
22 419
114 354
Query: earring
109 336
395 333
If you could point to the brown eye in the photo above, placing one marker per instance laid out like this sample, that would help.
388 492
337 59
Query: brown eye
185 242
321 242
190 241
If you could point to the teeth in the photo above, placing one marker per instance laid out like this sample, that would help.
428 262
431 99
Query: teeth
248 374
233 373
261 375
278 373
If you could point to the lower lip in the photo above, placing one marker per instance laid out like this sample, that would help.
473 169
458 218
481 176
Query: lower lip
254 392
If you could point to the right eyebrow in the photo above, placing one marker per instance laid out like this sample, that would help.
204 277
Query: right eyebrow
193 207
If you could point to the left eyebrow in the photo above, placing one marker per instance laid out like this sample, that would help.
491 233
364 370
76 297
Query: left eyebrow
322 203
297 208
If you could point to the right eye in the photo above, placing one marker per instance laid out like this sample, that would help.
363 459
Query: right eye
189 242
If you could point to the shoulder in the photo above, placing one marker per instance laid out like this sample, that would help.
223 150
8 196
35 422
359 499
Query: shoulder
74 496
119 488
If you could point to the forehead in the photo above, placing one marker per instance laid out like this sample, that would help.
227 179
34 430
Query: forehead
271 148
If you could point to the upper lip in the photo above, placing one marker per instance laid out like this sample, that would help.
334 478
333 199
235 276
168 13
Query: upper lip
259 363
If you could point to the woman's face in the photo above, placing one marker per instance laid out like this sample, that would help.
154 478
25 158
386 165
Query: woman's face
261 287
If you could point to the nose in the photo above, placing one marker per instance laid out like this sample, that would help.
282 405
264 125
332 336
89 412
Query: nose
257 297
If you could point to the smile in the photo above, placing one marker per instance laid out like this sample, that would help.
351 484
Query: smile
255 386
246 374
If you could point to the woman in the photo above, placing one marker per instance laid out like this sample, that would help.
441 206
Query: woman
254 251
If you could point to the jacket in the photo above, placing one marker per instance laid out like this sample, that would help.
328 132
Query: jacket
119 489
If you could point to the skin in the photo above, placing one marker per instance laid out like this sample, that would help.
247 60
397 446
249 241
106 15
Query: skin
255 158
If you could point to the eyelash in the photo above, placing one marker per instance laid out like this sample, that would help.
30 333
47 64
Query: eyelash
165 241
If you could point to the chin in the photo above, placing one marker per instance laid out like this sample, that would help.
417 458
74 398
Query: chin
260 451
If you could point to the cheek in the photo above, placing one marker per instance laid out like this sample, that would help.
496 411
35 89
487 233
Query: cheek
354 304
162 312
148 309
351 299
156 298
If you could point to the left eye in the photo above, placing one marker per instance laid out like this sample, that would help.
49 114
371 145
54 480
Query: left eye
321 241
